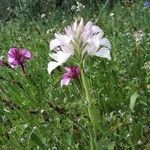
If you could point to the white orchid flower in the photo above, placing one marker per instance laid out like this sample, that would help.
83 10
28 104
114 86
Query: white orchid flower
87 38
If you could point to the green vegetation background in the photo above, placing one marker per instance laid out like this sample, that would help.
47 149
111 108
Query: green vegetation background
36 113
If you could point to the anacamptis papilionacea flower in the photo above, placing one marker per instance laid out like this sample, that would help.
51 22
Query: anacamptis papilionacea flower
78 39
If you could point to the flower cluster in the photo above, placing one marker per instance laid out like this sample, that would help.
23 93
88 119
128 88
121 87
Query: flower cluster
77 7
138 34
80 39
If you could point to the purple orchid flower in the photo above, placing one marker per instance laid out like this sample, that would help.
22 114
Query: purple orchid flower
18 56
71 72
146 4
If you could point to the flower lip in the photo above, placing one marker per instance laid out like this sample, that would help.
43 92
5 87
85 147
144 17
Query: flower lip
70 73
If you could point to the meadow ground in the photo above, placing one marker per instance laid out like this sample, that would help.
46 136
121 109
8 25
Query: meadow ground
36 113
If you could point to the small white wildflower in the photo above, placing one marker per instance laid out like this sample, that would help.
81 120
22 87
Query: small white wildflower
43 15
111 14
22 140
119 111
128 34
138 36
106 98
128 135
34 128
139 142
122 114
147 65
79 6
42 111
48 31
9 9
25 126
130 120
78 119
12 130
73 7
4 118
6 110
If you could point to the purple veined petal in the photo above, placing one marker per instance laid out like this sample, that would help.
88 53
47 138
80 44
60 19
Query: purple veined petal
97 30
95 40
65 81
90 49
68 49
105 42
104 53
12 52
54 43
52 65
12 62
25 53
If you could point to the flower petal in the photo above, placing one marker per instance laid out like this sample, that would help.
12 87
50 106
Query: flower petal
105 42
51 66
67 69
65 81
88 26
54 43
97 30
25 53
60 56
70 32
104 53
63 39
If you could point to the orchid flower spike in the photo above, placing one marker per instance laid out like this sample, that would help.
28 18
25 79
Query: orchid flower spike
70 73
17 57
78 39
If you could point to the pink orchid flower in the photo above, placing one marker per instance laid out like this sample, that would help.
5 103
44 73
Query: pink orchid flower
18 56
71 73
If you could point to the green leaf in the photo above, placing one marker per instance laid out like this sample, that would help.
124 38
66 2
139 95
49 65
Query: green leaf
132 101
37 140
111 146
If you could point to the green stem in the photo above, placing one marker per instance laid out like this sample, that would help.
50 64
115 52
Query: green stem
91 110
